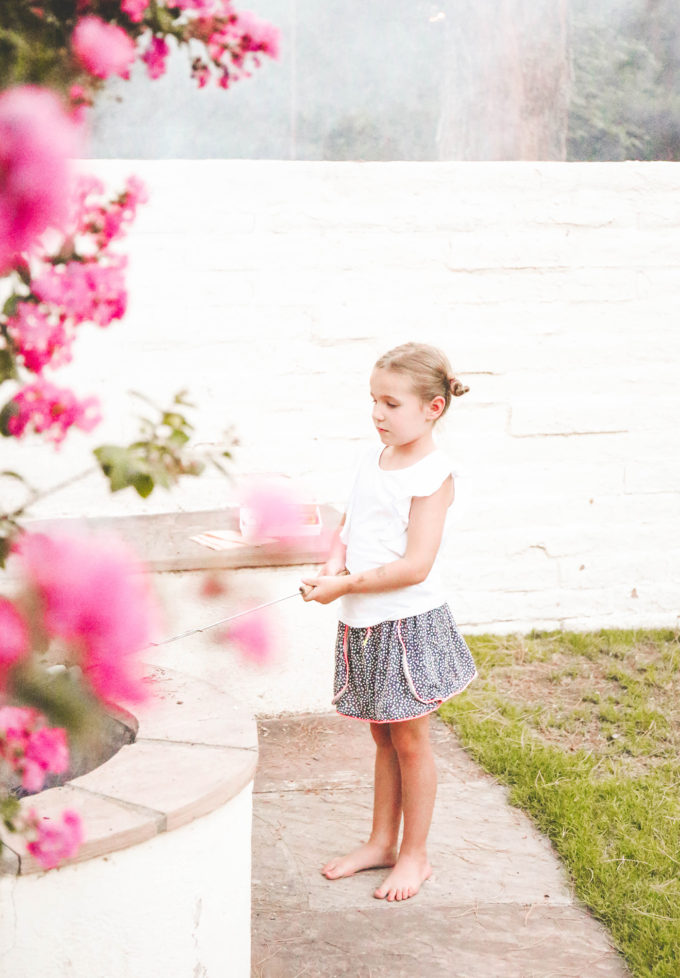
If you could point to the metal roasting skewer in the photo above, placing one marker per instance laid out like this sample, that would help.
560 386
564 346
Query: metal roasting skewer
239 614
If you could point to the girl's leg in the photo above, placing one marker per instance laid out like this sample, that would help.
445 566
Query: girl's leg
411 740
381 848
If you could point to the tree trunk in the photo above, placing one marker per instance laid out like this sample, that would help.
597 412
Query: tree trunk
508 81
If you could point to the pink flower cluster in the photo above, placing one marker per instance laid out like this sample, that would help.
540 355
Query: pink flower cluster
13 636
135 9
45 409
83 282
85 291
53 843
99 221
102 49
37 141
232 40
40 338
254 635
31 748
156 56
270 511
93 595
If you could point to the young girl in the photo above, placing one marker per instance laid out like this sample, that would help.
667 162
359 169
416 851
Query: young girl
399 654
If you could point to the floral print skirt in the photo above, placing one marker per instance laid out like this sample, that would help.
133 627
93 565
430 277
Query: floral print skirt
400 670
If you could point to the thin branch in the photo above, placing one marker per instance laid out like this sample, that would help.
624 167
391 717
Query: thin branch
37 494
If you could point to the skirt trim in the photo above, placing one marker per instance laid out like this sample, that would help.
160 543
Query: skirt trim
425 713
407 673
344 652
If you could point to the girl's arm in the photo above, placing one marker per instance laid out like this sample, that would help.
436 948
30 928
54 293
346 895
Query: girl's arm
425 528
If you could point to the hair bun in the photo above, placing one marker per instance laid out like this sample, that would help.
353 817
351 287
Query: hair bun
457 387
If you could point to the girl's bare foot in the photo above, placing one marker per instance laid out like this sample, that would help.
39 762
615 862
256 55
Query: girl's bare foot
369 856
405 880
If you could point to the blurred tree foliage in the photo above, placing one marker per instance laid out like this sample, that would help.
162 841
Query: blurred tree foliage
626 88
368 82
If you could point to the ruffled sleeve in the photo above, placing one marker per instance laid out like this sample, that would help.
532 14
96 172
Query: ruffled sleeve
429 475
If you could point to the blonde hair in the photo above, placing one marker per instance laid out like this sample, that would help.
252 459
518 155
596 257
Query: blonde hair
429 370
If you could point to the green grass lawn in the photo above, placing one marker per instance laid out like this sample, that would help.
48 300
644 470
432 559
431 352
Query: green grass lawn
585 729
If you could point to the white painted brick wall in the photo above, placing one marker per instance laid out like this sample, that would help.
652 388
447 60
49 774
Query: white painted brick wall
269 288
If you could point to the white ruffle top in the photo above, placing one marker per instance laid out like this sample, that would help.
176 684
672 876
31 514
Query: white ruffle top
376 524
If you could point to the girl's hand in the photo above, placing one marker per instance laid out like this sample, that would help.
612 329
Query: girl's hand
324 589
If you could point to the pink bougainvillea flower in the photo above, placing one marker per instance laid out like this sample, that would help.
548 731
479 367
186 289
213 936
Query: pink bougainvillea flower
270 511
13 635
16 721
80 100
40 337
50 410
85 291
46 751
255 34
254 635
48 747
135 193
30 747
102 49
200 72
135 9
155 57
95 596
54 843
16 725
38 139
103 220
205 7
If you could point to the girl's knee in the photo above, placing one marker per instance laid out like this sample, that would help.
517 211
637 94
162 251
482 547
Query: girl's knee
381 734
410 737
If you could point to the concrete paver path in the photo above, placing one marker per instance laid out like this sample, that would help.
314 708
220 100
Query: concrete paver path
499 904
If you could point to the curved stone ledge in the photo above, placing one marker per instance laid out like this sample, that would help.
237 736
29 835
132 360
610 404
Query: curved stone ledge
196 749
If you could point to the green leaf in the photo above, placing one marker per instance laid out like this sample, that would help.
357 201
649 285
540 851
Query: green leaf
5 548
143 483
124 467
178 439
8 368
174 420
161 475
8 474
9 809
24 272
9 411
10 307
118 465
181 399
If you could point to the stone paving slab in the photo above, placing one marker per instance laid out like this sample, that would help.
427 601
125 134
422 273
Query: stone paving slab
499 904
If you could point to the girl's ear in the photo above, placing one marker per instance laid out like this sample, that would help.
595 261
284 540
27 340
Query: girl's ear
437 405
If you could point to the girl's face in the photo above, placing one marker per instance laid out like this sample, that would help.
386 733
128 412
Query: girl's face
399 415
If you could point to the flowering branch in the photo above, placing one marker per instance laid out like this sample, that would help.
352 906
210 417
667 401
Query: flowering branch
81 603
